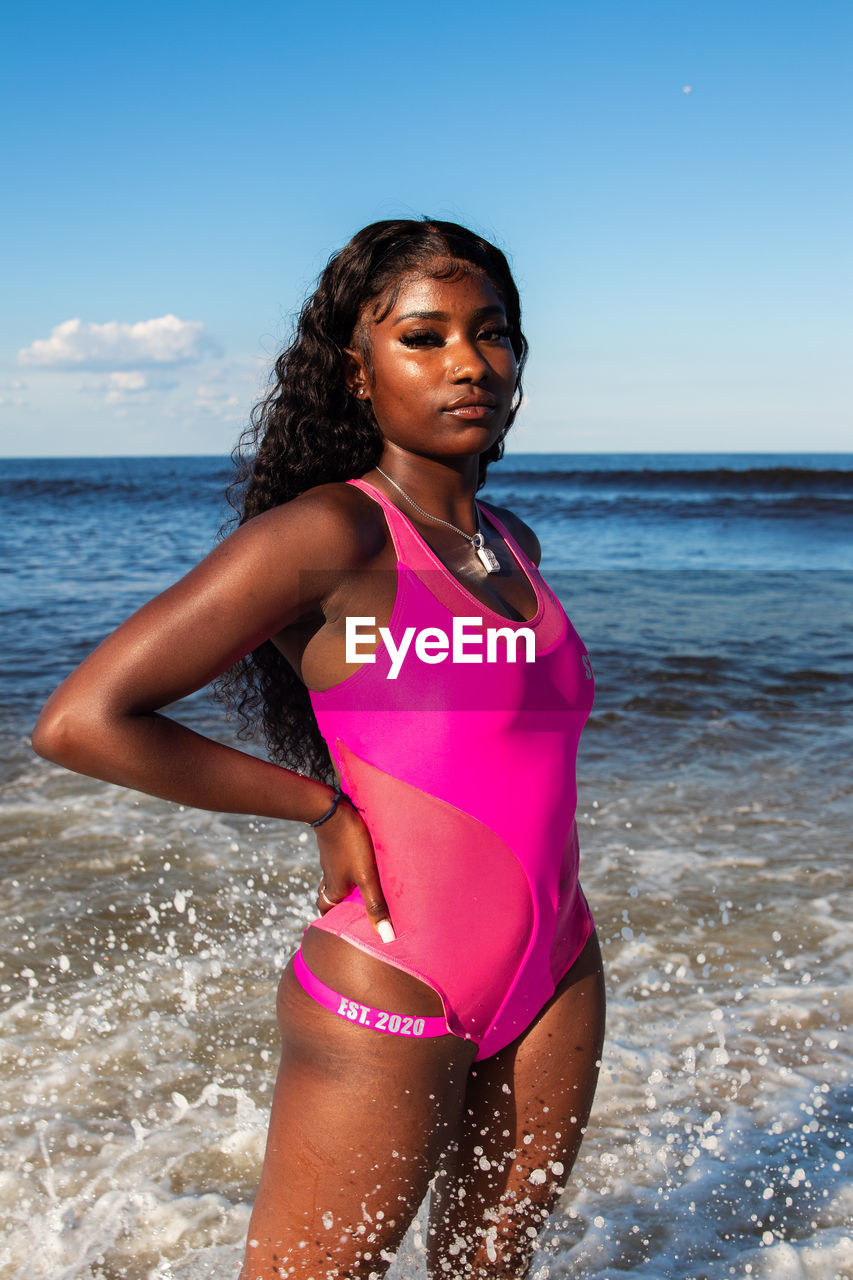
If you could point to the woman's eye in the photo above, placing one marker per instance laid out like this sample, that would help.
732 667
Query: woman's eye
420 338
494 334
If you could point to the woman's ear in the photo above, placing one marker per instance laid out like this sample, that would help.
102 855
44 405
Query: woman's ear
355 376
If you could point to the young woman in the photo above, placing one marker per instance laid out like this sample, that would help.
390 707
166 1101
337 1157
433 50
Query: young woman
443 1020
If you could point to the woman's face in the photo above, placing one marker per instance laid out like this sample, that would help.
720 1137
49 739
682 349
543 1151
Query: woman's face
442 370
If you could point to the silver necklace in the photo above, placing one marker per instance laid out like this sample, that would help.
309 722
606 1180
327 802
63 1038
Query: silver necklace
487 557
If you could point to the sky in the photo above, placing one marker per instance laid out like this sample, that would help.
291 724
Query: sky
671 181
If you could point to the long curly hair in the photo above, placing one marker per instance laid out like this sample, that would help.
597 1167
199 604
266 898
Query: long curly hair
310 430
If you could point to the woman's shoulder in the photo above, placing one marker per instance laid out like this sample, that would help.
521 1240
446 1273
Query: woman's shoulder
523 534
329 517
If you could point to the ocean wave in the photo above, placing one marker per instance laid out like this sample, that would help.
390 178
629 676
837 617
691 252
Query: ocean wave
773 479
145 487
676 505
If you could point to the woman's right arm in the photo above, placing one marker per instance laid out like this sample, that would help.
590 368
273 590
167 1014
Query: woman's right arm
104 719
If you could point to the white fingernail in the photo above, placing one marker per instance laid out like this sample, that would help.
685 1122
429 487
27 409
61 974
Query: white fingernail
385 929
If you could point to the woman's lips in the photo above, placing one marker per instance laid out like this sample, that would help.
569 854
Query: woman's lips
474 405
473 411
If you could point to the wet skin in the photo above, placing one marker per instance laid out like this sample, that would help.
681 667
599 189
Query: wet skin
362 1121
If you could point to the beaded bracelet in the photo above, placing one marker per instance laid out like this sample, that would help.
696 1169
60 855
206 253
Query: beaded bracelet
338 796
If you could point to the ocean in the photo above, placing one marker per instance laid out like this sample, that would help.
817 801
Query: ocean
141 942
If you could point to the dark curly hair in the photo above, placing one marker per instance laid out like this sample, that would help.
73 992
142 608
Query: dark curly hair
310 430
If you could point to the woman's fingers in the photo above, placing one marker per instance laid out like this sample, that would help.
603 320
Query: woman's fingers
348 860
375 905
372 897
326 899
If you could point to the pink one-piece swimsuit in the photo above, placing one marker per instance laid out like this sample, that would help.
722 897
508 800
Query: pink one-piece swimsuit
464 772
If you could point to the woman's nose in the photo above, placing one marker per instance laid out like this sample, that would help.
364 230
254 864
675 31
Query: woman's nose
468 365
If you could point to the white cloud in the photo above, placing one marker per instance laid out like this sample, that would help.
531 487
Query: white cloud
216 401
14 400
114 345
127 386
132 381
122 385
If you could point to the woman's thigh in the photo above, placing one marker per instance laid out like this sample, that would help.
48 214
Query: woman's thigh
523 1119
359 1120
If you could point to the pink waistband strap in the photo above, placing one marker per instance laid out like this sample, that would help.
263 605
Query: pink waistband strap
364 1015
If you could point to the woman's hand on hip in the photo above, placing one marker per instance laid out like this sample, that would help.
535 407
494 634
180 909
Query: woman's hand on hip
348 862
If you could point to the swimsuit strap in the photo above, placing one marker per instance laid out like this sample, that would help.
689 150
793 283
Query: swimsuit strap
401 526
414 553
410 547
365 1015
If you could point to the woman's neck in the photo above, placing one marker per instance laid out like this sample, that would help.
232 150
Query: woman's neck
444 489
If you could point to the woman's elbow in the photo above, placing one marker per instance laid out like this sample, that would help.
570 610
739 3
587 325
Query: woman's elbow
58 732
47 735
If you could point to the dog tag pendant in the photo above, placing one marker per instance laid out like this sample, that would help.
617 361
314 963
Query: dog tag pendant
488 559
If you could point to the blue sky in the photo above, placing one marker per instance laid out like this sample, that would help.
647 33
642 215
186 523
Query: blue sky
684 257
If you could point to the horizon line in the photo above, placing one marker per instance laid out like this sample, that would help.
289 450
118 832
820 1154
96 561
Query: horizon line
516 453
